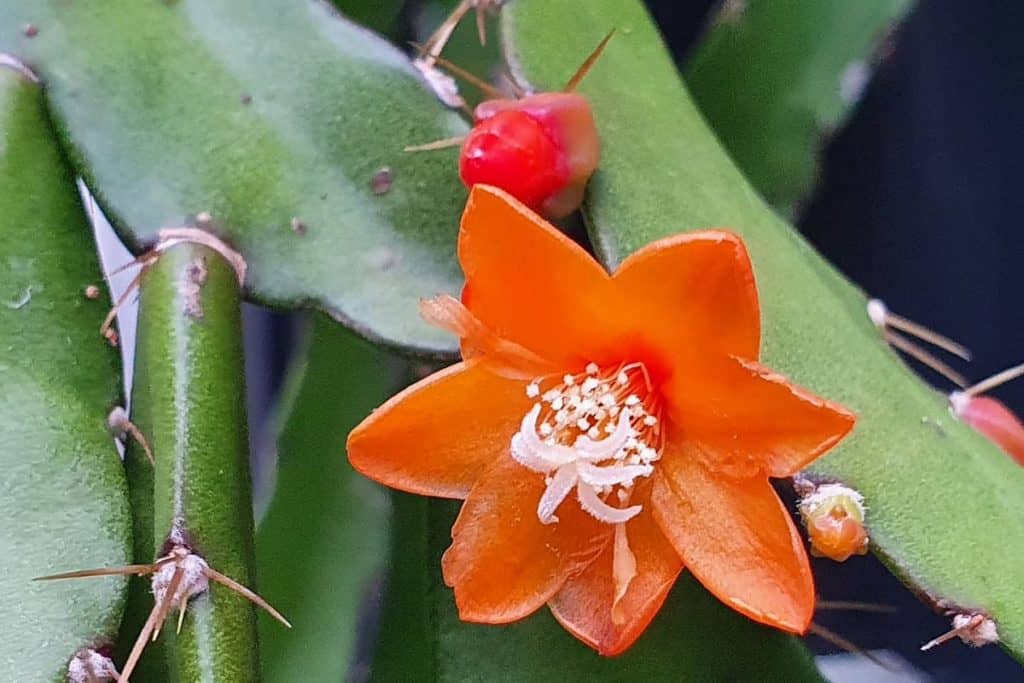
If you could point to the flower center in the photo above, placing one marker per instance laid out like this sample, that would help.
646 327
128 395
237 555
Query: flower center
595 432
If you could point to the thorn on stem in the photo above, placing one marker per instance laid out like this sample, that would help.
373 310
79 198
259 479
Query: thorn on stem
974 628
443 86
440 37
830 636
178 577
169 237
127 570
882 317
486 88
181 615
996 380
121 427
195 276
437 144
891 325
913 350
167 599
856 606
588 64
142 262
245 593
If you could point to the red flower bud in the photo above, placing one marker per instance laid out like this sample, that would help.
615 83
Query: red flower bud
993 419
834 517
541 149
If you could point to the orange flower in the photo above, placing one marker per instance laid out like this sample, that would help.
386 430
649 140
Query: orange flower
604 430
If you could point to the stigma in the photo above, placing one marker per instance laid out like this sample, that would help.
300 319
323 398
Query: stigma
595 433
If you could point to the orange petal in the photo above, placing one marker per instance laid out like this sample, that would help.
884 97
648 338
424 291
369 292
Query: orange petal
503 357
692 295
737 539
529 283
747 417
503 563
438 436
586 602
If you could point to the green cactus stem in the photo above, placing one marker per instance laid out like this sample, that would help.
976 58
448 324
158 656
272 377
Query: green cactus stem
189 398
63 500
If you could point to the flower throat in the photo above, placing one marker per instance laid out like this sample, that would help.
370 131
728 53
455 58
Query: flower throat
596 432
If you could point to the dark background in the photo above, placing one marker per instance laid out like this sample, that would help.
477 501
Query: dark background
920 204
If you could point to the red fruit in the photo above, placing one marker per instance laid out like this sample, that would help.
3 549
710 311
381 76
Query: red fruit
993 419
541 149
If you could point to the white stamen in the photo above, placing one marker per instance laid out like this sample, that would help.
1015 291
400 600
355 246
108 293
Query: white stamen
530 452
606 448
600 510
558 488
526 456
569 451
612 474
